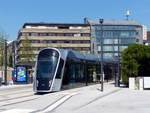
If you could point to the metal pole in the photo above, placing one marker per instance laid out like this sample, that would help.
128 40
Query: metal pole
5 61
86 81
14 54
118 70
102 71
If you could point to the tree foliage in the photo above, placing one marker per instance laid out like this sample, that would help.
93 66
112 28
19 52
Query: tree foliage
9 57
2 44
26 51
135 61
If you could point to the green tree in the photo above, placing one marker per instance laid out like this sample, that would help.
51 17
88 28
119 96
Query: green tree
26 51
134 59
145 63
10 58
2 44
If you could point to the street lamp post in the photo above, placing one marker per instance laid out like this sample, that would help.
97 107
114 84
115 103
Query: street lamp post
102 71
118 71
118 65
5 61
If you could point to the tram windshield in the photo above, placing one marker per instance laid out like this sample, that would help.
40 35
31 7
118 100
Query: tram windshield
46 64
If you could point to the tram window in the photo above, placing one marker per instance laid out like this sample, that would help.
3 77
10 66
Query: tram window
59 71
46 68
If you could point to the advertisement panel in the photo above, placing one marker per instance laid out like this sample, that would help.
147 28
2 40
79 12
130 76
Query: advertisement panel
21 75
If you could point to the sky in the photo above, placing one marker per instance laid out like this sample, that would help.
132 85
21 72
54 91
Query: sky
14 13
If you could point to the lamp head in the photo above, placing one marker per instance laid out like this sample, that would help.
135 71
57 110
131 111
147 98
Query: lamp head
101 20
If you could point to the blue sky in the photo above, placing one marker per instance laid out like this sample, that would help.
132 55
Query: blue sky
14 13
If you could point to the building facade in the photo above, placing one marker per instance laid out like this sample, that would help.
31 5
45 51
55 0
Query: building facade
11 48
147 41
110 37
43 35
148 35
144 32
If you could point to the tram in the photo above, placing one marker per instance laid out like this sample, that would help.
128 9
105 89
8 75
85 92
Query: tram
56 67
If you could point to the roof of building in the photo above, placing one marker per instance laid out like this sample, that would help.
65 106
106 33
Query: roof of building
54 24
113 22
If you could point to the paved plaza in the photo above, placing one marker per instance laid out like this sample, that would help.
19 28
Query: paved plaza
87 99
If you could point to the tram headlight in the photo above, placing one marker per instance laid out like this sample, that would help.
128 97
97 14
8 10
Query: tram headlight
50 83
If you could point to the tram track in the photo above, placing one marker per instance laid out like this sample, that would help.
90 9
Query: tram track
8 104
16 100
2 100
14 88
15 95
17 92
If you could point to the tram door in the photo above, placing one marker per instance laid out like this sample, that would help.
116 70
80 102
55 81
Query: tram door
59 76
67 74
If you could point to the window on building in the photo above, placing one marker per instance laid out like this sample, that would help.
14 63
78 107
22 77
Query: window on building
63 27
116 33
60 34
115 41
85 48
35 41
85 34
108 55
49 41
115 55
75 41
25 34
54 41
43 34
121 48
77 35
124 34
66 41
84 41
98 34
34 34
51 34
115 48
98 40
127 41
108 41
68 34
99 48
107 48
60 41
137 40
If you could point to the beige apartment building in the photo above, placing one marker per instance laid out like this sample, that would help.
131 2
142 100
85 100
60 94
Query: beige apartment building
57 35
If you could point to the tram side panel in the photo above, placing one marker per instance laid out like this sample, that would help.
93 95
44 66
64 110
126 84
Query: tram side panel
60 71
59 76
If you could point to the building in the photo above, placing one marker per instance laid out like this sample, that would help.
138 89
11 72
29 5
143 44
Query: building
115 35
11 48
144 32
57 35
147 41
148 35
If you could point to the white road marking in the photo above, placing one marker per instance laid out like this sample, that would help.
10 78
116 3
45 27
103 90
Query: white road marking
18 111
52 107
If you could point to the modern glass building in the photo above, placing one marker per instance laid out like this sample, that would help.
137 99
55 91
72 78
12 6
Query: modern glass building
110 37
